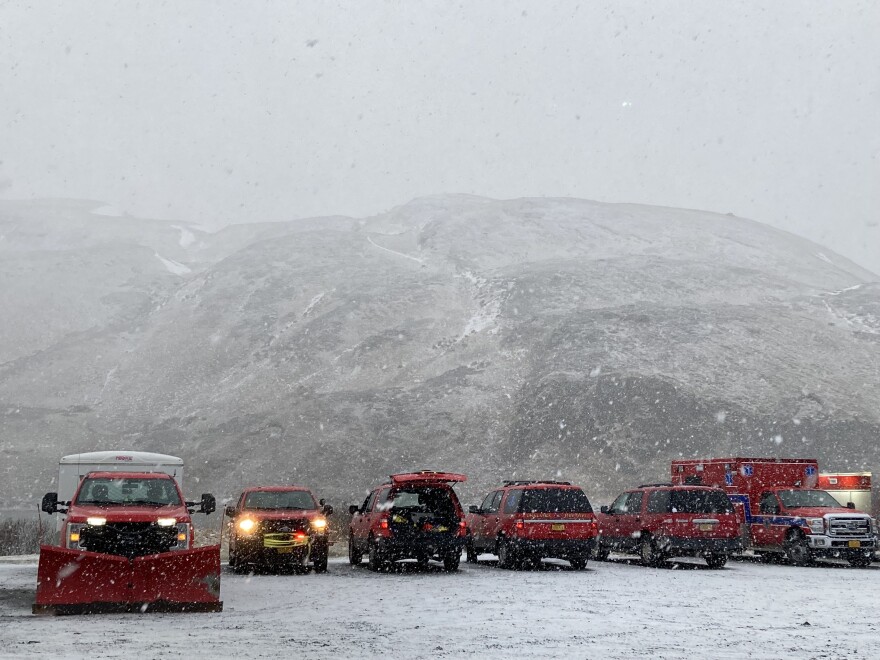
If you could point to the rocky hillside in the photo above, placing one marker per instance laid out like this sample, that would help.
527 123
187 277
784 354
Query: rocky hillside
529 338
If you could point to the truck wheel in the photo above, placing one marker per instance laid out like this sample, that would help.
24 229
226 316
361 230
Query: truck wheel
451 560
354 557
648 553
471 553
578 563
716 560
600 552
319 562
797 550
506 556
860 561
375 560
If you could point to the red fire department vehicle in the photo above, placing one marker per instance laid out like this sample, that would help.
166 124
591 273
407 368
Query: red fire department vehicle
783 511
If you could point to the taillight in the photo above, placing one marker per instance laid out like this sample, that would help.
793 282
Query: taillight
519 525
462 528
384 529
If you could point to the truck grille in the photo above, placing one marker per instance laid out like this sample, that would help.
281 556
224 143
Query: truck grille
849 527
284 526
128 539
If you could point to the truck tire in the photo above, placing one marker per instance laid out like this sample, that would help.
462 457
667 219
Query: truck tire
648 553
471 553
319 562
375 559
354 557
797 549
716 560
451 560
506 555
860 561
578 563
600 552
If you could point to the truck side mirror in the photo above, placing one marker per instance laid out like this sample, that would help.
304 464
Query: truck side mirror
50 503
603 509
230 511
353 508
474 508
208 503
850 505
327 509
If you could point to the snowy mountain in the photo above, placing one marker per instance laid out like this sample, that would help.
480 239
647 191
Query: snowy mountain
522 338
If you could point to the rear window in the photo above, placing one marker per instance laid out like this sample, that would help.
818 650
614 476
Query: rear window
699 501
554 500
426 499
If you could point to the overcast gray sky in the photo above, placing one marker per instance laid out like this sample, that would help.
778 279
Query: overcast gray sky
218 112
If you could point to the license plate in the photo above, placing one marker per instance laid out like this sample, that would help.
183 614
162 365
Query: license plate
557 528
706 527
855 544
284 551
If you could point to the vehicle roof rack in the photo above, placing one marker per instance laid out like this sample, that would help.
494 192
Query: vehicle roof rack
654 485
537 481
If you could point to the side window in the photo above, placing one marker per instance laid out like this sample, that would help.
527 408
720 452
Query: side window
634 503
370 501
487 502
658 501
619 505
769 503
382 499
511 504
496 501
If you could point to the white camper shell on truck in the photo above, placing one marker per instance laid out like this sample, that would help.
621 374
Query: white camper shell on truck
72 469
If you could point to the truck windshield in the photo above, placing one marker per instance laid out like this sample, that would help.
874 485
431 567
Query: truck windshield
795 499
554 500
699 501
145 491
280 499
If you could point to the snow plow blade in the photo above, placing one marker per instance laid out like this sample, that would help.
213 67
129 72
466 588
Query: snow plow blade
80 582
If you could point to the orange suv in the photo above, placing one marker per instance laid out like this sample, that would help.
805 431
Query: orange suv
660 521
525 521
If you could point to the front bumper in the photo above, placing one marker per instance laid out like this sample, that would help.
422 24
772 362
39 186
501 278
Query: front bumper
555 548
828 546
258 549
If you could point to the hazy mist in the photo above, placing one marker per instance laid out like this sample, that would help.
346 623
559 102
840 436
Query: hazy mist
222 112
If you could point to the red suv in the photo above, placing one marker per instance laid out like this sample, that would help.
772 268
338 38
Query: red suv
414 516
525 521
660 521
278 527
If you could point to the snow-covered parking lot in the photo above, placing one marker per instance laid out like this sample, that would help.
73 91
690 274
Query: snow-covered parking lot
616 609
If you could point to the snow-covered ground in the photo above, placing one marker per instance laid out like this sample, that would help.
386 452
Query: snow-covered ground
616 609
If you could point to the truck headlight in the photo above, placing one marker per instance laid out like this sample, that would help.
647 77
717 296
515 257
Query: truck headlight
184 531
166 522
816 525
73 535
96 522
319 524
875 527
246 525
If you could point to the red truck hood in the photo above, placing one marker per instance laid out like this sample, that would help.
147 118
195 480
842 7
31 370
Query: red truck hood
79 513
283 514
